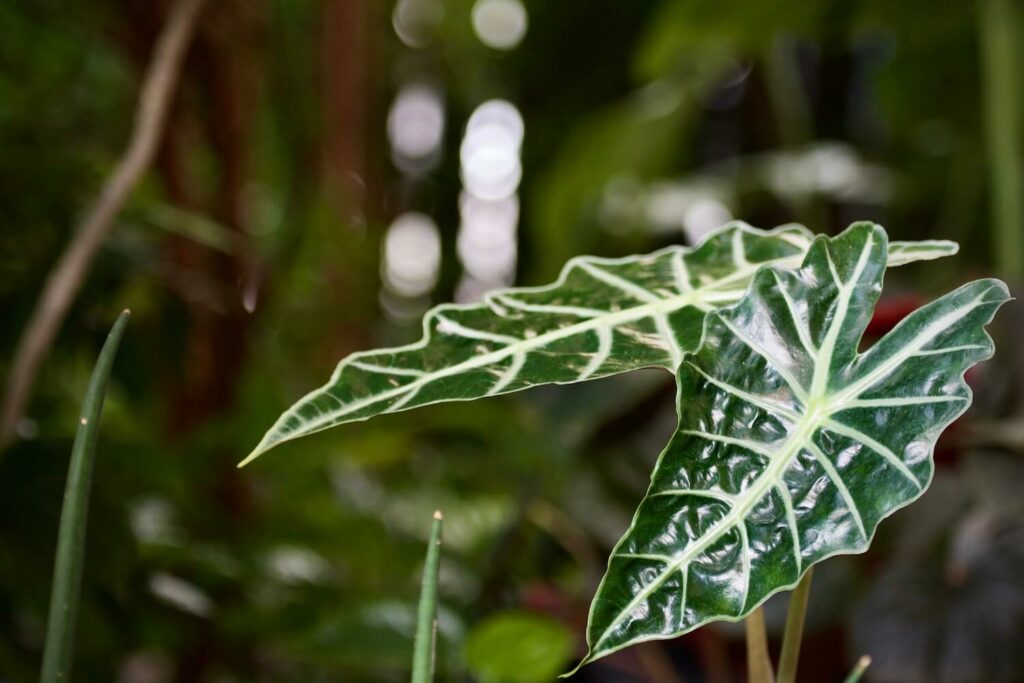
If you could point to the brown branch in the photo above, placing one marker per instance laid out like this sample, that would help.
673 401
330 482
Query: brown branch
67 277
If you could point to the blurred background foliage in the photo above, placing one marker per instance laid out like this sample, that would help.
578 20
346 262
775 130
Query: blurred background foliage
321 183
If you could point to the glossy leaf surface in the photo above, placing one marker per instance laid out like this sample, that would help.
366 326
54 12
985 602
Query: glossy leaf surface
791 445
601 317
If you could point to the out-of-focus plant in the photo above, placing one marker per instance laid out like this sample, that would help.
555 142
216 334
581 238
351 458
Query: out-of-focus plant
948 593
862 665
1000 35
514 646
791 444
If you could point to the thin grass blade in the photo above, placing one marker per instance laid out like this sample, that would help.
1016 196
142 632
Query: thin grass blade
426 623
67 573
862 664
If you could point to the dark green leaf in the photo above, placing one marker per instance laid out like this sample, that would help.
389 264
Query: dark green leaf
518 647
791 445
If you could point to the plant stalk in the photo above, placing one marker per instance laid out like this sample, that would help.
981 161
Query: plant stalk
794 117
759 664
67 572
790 103
1000 28
426 623
794 634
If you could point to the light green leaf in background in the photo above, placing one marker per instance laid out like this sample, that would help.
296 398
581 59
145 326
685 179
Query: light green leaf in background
518 647
601 317
791 446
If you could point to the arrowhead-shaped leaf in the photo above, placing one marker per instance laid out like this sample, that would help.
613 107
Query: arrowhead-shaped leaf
791 445
601 317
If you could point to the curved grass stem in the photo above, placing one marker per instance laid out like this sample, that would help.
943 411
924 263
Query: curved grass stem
67 572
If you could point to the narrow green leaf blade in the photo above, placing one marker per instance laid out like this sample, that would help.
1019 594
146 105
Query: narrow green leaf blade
862 665
601 317
67 572
426 622
792 446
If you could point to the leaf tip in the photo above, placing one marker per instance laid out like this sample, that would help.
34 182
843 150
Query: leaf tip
862 664
438 515
256 452
270 440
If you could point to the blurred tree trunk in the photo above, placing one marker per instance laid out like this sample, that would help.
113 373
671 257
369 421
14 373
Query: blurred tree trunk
201 378
345 58
351 181
217 337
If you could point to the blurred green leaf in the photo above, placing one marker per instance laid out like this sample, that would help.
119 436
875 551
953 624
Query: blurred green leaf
368 636
637 139
518 647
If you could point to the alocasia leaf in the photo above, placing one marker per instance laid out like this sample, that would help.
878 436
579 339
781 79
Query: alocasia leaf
791 446
601 317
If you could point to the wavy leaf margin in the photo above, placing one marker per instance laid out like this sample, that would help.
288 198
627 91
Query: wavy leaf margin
788 372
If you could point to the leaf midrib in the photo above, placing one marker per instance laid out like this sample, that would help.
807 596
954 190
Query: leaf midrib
771 476
819 408
816 410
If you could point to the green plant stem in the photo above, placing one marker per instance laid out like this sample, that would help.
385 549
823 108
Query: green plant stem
794 634
788 97
759 664
426 623
1000 27
67 573
794 117
862 664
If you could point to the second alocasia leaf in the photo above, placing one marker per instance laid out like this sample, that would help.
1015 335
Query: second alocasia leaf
791 446
602 317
